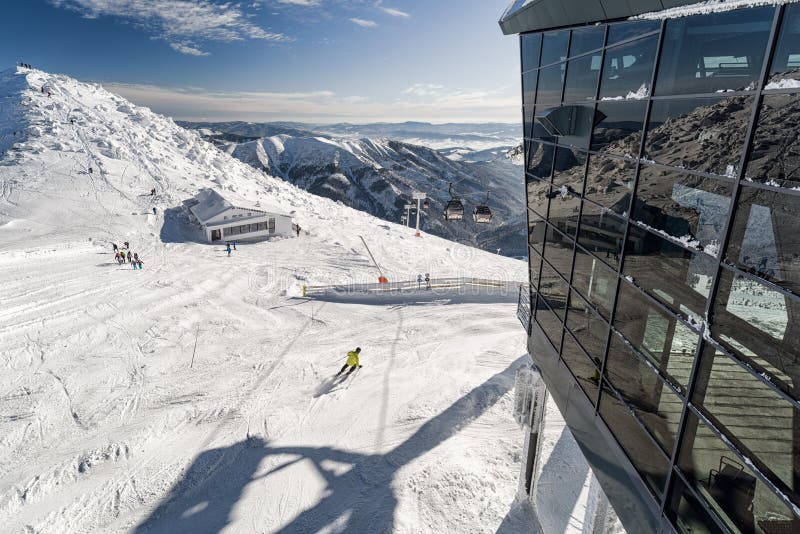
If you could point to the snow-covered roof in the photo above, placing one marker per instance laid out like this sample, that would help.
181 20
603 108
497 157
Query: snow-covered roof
207 204
535 15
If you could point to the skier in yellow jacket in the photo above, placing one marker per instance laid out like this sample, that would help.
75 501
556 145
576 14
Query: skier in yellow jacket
352 361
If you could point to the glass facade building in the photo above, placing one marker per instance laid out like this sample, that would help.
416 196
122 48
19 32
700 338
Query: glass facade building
663 199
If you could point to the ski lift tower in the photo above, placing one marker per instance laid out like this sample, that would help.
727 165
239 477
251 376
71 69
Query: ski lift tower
419 197
408 208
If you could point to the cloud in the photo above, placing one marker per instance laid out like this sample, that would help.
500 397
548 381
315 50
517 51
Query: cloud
178 21
364 23
394 12
428 102
188 49
300 2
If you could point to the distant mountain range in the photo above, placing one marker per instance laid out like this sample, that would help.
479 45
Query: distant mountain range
378 175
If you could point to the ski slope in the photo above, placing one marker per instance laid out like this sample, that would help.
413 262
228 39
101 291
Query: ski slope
194 395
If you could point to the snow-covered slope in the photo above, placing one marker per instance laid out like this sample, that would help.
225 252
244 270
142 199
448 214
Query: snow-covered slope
186 397
379 175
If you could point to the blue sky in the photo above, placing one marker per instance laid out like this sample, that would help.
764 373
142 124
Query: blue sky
261 60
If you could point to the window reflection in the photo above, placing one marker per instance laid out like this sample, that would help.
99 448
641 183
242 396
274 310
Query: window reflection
586 39
582 368
530 45
786 59
644 454
716 52
628 70
529 89
609 182
554 47
618 128
582 76
588 328
538 192
623 31
654 403
703 134
743 501
775 155
690 208
686 511
595 281
553 289
673 275
540 161
601 233
535 262
551 81
750 411
660 337
549 322
565 202
558 251
527 122
764 237
752 321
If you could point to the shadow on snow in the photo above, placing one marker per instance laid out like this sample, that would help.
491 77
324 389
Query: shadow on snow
358 500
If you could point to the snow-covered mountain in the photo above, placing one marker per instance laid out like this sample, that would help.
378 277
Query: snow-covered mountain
379 176
186 397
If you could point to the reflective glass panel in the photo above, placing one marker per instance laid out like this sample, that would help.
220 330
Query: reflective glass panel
601 233
550 323
775 156
730 487
582 76
643 453
540 161
558 251
589 329
628 70
554 47
529 89
581 367
534 263
673 275
690 208
702 134
531 44
752 322
618 127
687 513
586 39
538 191
786 59
527 121
623 31
565 208
765 237
595 281
716 52
609 182
654 403
553 289
551 81
750 411
659 336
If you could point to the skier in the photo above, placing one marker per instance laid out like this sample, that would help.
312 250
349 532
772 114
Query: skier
427 281
234 245
153 192
114 246
130 257
136 256
228 248
419 281
297 229
127 245
352 361
154 210
90 170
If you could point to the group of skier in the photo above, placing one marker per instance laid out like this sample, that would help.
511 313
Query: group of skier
228 246
126 255
25 65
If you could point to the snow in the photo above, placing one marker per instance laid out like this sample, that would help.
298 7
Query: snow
640 94
786 83
187 396
709 6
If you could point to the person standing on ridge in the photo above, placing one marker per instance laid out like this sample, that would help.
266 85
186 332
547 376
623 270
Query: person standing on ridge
352 362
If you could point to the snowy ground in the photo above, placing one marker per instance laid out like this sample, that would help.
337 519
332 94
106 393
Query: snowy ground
112 421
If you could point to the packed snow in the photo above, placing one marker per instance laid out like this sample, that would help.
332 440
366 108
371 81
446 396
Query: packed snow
195 395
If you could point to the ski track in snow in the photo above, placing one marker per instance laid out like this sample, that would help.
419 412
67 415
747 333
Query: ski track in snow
106 425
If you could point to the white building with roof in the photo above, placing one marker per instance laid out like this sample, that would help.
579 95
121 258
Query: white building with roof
223 221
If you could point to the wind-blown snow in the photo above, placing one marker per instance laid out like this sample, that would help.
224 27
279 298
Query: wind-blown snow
709 6
190 396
